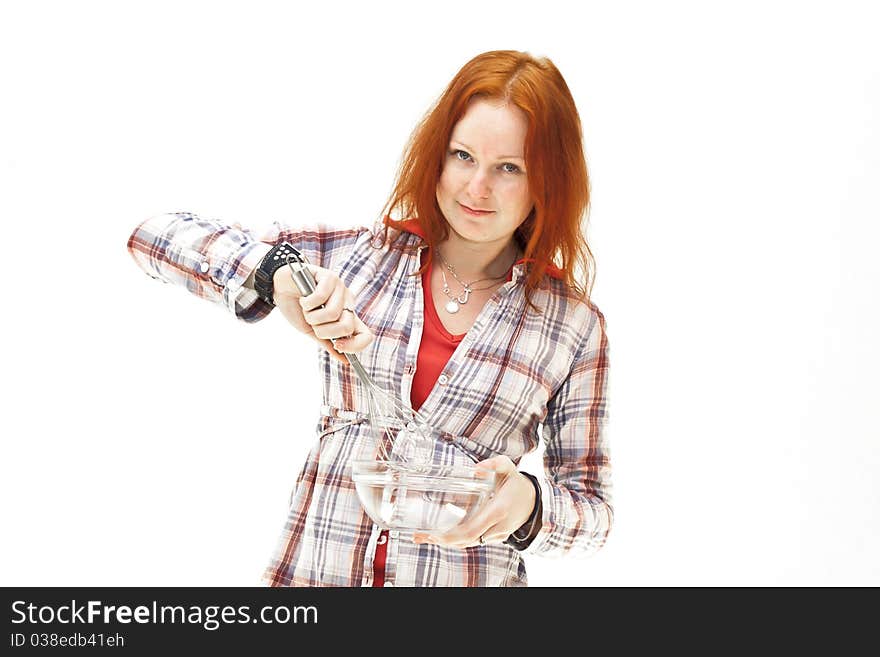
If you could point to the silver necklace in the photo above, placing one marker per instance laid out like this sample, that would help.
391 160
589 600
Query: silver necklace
455 302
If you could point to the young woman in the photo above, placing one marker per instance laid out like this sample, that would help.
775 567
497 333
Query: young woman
470 298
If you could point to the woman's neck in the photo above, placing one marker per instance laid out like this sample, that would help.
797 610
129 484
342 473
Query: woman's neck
473 262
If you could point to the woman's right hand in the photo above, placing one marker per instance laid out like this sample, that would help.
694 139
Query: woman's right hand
336 320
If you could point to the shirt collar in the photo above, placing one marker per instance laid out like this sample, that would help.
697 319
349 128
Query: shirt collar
519 267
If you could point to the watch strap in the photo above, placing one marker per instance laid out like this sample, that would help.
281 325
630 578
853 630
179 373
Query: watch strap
264 274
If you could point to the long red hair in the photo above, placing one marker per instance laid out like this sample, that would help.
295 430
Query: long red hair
554 232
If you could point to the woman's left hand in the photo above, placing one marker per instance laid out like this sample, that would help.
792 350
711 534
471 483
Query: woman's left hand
506 512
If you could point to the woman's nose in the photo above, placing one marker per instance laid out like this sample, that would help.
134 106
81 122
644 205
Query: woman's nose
478 185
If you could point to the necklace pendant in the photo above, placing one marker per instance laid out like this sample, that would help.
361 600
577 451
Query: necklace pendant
451 307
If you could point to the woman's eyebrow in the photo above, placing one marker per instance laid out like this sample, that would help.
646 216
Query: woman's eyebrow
502 157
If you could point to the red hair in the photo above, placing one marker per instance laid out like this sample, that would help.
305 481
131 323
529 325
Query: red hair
554 231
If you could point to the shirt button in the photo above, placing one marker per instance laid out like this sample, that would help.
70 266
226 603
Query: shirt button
388 584
204 267
443 379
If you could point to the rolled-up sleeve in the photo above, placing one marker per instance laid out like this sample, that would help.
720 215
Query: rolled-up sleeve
213 260
576 488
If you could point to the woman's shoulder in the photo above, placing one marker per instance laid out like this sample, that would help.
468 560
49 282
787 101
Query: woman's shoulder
567 306
572 297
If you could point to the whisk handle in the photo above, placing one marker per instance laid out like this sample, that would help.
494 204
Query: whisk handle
302 275
305 281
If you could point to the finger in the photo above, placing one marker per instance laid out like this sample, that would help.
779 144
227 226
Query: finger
494 533
347 331
331 349
497 533
325 284
458 540
356 342
442 541
469 531
445 540
472 539
331 312
500 463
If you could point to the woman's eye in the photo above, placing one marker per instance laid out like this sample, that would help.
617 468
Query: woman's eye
464 156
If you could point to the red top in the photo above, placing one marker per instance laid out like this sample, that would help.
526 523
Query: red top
436 347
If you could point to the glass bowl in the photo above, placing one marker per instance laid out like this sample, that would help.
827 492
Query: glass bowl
429 501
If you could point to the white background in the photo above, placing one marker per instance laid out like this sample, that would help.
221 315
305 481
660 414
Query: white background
151 439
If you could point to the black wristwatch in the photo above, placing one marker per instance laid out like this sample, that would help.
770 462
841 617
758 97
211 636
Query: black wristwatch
265 271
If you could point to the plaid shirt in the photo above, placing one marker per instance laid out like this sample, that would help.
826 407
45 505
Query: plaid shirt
515 372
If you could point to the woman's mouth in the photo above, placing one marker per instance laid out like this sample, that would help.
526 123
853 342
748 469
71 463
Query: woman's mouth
475 213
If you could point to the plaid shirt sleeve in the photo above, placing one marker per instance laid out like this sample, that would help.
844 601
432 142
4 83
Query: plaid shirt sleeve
214 260
577 508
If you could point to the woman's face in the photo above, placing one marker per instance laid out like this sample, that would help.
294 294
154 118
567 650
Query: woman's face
484 169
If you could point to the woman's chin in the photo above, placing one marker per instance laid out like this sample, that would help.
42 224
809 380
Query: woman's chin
467 232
